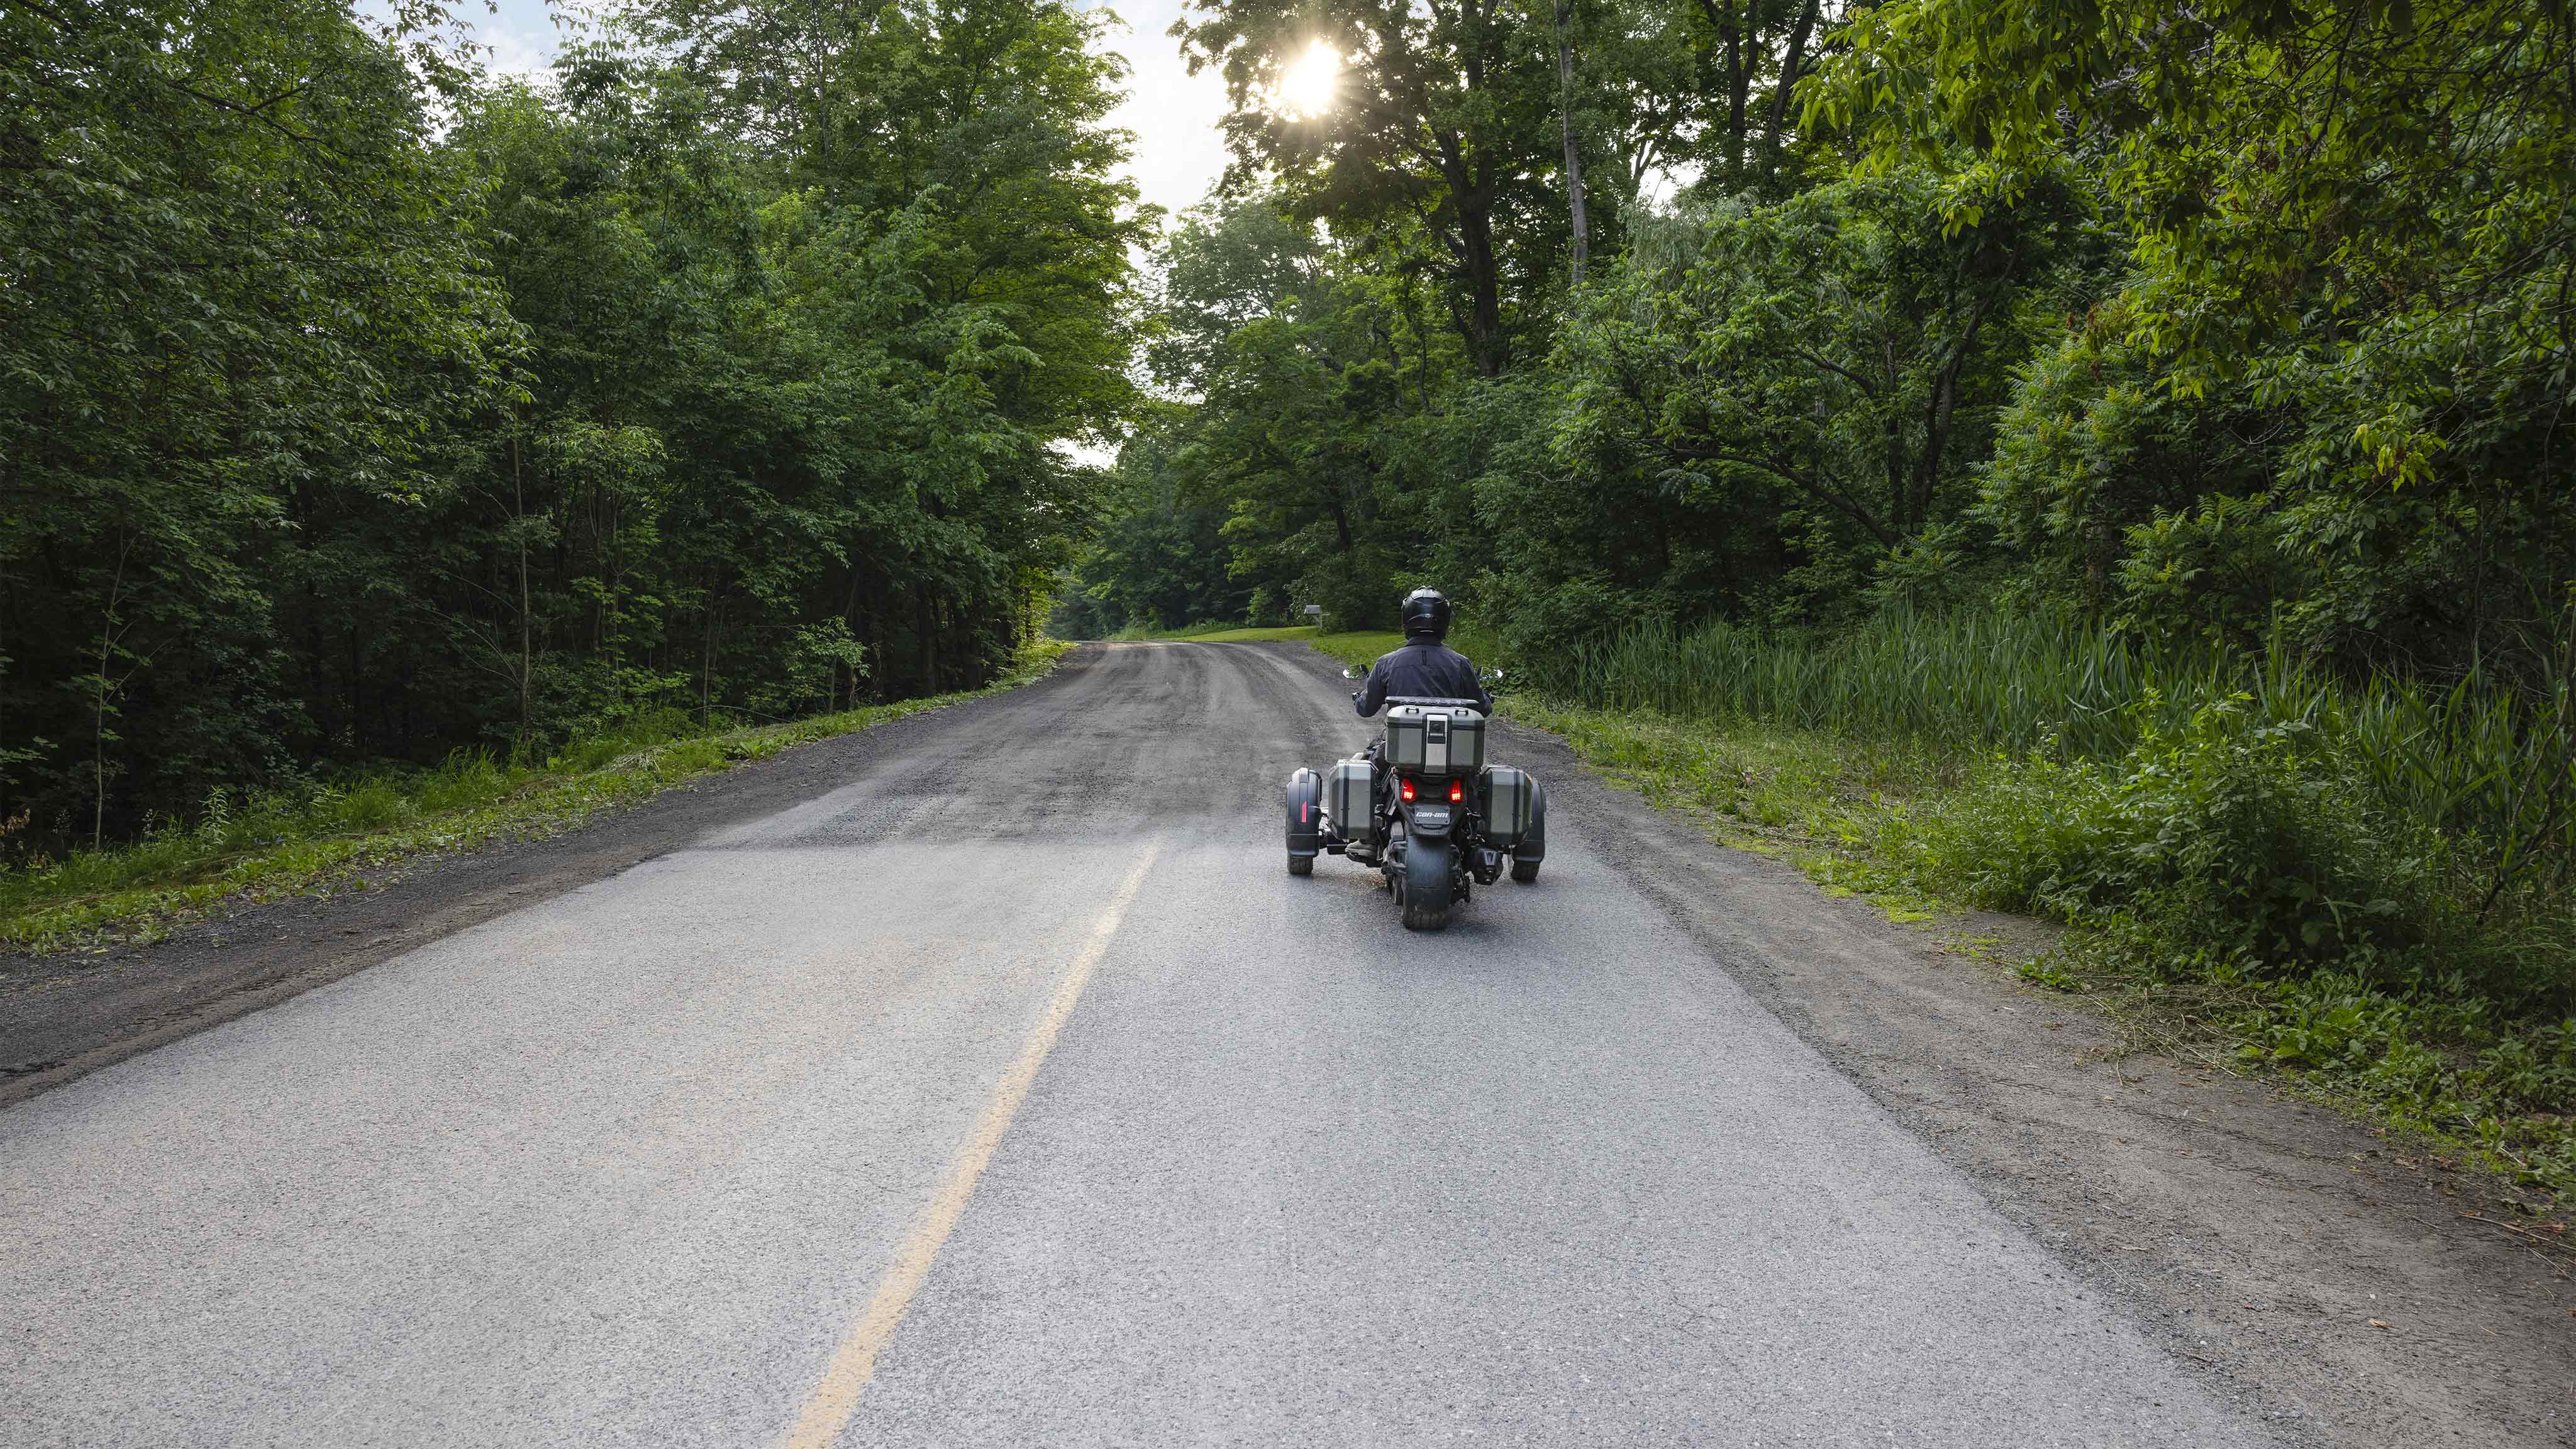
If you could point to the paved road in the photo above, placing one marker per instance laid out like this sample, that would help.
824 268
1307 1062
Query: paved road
1012 1093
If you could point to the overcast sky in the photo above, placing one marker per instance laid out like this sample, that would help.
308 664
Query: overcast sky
1178 149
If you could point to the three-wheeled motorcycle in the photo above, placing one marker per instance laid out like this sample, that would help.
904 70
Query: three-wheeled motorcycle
1435 819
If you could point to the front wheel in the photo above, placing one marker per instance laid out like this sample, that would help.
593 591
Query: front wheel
1424 885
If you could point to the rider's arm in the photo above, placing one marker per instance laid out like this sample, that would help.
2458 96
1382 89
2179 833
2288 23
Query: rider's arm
1372 696
1475 689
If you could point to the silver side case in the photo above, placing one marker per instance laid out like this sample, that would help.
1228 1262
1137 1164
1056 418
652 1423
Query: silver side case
1509 803
1347 791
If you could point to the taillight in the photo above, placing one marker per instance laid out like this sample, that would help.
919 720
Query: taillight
1457 791
1407 786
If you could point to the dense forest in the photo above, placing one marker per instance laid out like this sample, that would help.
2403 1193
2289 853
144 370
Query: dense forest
356 407
2217 323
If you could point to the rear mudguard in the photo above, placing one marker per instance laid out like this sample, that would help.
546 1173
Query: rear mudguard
1430 879
1433 824
1305 800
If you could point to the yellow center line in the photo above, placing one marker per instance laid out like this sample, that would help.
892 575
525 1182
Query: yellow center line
827 1410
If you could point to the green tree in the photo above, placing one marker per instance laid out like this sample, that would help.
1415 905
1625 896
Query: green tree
353 409
1446 117
2349 219
1811 381
243 307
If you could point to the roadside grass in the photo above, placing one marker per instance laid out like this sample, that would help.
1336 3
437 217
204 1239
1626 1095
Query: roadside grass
250 848
1141 630
1218 631
1359 647
2450 1030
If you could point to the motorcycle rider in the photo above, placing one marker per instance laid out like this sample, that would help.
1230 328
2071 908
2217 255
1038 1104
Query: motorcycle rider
1424 668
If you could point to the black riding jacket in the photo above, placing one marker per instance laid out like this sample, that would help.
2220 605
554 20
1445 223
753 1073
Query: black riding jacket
1422 669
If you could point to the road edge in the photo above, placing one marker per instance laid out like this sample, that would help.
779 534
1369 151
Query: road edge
259 954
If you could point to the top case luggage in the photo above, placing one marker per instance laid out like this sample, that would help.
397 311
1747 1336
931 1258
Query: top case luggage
1425 739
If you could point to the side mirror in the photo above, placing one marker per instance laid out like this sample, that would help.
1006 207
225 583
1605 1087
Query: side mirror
1492 679
1353 671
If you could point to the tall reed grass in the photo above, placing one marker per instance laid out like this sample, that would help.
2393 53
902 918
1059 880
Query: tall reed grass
2490 766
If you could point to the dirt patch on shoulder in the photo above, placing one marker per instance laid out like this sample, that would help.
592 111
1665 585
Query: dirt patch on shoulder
66 1014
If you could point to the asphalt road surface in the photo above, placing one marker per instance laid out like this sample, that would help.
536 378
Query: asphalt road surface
1012 1093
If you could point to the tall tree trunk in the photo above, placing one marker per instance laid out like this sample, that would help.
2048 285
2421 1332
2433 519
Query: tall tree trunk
926 613
107 633
1739 87
98 752
1473 196
1775 136
707 668
1582 227
1942 407
1485 293
850 621
527 613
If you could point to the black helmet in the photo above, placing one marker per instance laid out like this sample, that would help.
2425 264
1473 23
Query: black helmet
1426 614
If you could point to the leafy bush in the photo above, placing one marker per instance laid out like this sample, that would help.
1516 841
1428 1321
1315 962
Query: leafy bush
2247 854
1554 635
2241 839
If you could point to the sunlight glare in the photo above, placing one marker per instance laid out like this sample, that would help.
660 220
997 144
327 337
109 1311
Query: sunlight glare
1308 85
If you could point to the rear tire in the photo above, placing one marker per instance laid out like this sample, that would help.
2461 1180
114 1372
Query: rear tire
1524 871
1301 865
1425 886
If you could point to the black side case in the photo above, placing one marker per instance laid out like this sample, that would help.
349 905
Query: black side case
1305 813
1533 842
